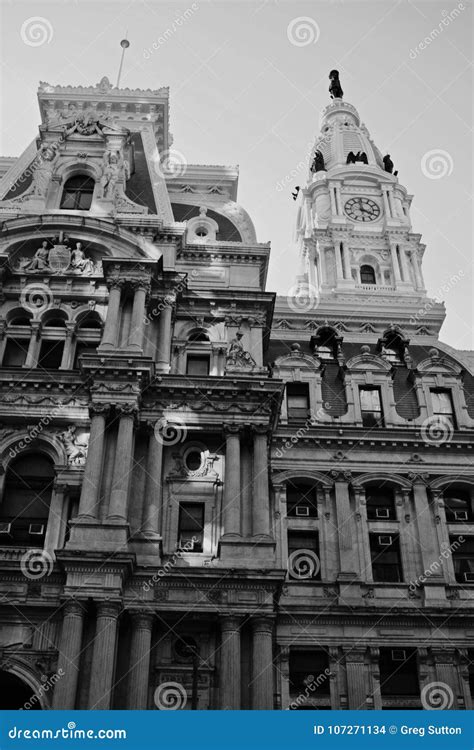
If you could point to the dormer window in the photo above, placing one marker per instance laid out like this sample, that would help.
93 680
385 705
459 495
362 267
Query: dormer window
367 275
77 193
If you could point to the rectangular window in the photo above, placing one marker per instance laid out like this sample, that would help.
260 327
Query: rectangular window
197 364
301 501
380 504
399 672
458 506
309 670
191 527
443 407
303 556
463 558
51 354
385 554
15 352
371 407
297 399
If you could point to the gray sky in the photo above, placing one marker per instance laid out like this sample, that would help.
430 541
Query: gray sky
242 93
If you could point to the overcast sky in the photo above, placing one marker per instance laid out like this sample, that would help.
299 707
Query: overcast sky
243 92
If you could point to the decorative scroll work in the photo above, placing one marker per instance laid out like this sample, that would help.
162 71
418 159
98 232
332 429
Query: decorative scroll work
59 258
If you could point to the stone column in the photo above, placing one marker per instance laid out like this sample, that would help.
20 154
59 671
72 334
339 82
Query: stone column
230 682
65 689
261 498
67 358
386 204
357 678
231 500
430 552
339 269
32 354
3 339
363 534
55 519
262 676
122 464
135 340
404 265
447 673
345 528
103 656
153 486
164 332
112 321
140 651
347 261
88 503
416 269
396 267
284 669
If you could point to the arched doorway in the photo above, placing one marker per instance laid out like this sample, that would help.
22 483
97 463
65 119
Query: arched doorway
15 694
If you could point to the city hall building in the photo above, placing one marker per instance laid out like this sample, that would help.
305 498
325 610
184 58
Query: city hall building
213 497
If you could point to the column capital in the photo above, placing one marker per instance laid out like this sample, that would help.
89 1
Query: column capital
142 619
262 624
74 608
99 409
232 429
260 429
115 284
109 609
355 655
127 410
341 476
140 284
230 622
419 479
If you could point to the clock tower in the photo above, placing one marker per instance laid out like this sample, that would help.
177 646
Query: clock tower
353 228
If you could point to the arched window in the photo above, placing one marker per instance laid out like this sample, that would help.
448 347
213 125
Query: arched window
77 193
198 359
367 275
199 336
88 337
25 507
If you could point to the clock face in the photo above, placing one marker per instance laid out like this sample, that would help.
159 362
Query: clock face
362 209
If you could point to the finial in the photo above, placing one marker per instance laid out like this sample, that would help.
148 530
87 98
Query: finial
335 89
124 44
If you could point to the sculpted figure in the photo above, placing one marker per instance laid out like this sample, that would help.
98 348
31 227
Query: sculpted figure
76 449
79 260
39 261
318 162
42 169
236 354
111 172
335 87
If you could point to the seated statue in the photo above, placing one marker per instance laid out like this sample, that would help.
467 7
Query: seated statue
79 261
40 260
236 355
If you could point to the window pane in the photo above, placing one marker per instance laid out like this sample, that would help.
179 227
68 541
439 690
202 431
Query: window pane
197 365
442 402
370 399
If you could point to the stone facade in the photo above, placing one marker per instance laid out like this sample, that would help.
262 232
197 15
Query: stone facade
213 497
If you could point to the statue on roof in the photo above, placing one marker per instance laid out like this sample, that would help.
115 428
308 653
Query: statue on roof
388 163
335 88
318 162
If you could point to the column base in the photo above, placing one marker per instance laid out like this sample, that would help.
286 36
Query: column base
94 535
244 549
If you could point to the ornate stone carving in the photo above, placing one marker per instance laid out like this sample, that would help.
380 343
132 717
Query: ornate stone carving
56 256
237 358
76 448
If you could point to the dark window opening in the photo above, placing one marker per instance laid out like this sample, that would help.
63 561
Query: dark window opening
51 354
399 672
303 556
309 672
25 508
380 504
197 364
191 527
15 352
371 407
199 336
463 558
297 399
77 193
385 555
301 500
458 506
367 275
